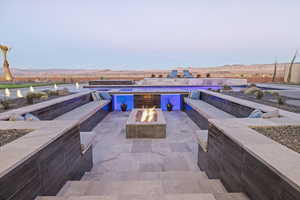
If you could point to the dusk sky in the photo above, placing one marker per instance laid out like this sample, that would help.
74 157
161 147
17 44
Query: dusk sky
153 34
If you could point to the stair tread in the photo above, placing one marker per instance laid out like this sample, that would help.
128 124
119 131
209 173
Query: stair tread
187 196
156 187
231 196
127 176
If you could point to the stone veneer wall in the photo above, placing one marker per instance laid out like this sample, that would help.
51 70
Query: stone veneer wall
53 111
45 172
197 118
89 124
240 171
232 108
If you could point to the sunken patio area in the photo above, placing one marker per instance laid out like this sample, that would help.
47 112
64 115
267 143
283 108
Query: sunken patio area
114 153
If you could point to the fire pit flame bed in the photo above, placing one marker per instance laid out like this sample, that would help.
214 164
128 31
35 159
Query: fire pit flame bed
146 123
146 115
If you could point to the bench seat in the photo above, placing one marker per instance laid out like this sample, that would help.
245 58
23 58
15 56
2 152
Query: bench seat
206 110
83 112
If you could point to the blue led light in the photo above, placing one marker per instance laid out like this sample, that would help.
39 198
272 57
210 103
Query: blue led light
119 99
174 99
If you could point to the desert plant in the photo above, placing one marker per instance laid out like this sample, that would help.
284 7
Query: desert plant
5 103
208 75
44 97
227 87
251 90
280 100
275 70
252 85
51 92
291 67
274 93
31 96
258 94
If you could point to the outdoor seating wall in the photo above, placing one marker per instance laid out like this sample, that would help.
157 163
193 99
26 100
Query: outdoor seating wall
53 111
240 171
230 107
90 123
46 171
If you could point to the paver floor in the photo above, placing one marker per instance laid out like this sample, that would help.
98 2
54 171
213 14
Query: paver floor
114 153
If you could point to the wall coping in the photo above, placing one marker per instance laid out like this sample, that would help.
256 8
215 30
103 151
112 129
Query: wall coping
44 132
280 159
38 106
251 104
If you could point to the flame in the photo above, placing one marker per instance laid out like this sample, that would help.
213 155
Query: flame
151 114
19 94
144 115
31 89
148 115
55 87
77 85
7 92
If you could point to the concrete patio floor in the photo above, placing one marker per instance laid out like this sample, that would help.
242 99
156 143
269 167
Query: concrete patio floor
114 153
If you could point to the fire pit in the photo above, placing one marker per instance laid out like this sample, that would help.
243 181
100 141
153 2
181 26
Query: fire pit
146 123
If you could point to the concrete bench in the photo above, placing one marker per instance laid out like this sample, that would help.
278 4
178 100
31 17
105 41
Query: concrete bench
201 111
206 110
88 115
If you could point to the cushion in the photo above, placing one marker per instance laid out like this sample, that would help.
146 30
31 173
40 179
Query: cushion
96 96
31 117
16 117
195 94
271 114
105 95
257 113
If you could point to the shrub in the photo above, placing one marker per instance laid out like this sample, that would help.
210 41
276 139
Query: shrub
252 85
5 103
227 87
275 94
280 100
51 92
44 98
251 90
259 94
31 96
63 92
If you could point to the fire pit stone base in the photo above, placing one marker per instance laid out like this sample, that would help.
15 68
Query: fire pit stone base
153 129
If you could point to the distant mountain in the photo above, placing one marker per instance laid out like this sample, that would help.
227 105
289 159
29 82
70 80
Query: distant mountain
226 69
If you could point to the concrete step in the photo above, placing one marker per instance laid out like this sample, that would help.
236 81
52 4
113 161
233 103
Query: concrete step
154 187
136 197
143 176
187 196
231 196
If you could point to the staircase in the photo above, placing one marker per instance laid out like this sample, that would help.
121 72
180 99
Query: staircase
161 169
177 185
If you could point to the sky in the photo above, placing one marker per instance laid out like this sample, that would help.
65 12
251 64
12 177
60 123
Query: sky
148 34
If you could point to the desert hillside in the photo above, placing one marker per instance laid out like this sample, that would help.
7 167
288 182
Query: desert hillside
252 72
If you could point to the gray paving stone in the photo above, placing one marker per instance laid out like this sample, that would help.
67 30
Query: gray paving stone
180 147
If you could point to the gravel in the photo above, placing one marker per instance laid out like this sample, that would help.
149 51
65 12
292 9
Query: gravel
9 135
288 136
